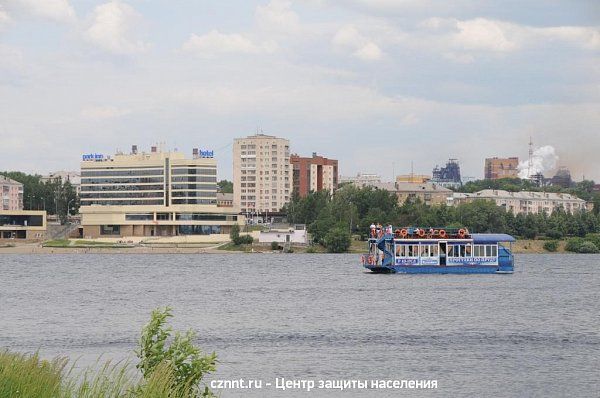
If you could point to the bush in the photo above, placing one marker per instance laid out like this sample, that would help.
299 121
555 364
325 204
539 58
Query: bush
554 234
274 246
529 233
551 245
310 249
180 355
574 244
244 240
337 240
588 247
594 238
235 233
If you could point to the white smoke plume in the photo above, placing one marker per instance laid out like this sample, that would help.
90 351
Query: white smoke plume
543 159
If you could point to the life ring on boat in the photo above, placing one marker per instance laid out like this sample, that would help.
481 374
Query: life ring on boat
436 232
461 233
421 233
442 233
403 233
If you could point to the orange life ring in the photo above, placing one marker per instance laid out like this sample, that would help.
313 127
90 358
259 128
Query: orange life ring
404 232
436 232
421 233
442 233
461 233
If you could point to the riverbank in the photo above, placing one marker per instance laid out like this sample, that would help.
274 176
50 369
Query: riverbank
357 247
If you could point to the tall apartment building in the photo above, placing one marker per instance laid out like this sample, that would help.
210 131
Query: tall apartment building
12 194
496 168
314 174
152 194
262 182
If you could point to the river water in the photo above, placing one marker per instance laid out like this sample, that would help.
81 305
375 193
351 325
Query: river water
320 317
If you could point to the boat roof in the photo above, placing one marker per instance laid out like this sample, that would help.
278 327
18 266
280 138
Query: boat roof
492 238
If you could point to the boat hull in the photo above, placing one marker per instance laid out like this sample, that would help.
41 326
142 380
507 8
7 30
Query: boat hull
466 269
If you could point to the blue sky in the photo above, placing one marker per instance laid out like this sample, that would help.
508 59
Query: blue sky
374 83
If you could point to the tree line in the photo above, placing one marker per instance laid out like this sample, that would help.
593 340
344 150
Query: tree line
351 210
57 197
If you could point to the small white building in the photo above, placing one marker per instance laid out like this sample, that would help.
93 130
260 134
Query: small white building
293 235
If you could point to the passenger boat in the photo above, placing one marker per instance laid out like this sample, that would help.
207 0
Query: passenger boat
418 250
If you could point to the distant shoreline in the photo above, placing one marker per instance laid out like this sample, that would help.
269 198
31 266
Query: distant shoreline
520 247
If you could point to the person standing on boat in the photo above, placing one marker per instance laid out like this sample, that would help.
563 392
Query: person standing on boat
373 232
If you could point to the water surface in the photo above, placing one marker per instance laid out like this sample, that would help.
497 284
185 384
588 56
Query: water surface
318 316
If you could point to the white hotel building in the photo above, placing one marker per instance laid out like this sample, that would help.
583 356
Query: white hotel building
152 194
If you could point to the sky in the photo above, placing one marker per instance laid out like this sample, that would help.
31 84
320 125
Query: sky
376 84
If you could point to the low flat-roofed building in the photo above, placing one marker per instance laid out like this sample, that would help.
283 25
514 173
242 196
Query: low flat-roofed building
525 202
296 234
12 194
152 194
224 199
362 180
428 193
73 177
22 224
414 178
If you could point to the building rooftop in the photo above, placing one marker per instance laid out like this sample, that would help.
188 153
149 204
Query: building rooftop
8 181
501 194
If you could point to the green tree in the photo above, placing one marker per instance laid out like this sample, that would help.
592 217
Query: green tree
337 240
159 347
225 186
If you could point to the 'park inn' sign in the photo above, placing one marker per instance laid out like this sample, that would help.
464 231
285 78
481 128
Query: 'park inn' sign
92 157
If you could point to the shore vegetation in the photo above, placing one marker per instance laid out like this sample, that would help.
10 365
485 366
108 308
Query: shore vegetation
170 366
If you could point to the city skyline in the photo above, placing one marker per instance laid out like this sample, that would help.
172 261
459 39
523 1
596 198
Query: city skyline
374 84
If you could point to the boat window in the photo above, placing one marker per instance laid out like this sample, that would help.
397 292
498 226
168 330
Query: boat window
468 251
477 252
434 250
494 251
425 251
450 251
488 251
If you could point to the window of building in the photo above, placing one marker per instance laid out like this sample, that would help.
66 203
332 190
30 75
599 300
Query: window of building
110 230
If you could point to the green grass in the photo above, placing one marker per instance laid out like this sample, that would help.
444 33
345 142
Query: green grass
28 376
57 243
66 243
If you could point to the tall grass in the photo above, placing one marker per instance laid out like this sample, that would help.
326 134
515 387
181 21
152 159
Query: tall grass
27 376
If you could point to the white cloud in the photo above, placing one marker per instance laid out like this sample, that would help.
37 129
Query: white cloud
4 17
277 17
214 42
349 39
57 10
486 35
483 34
113 28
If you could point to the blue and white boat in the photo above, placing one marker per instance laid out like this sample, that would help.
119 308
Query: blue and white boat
438 251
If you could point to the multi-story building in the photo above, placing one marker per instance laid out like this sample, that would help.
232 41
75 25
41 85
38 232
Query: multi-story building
496 168
12 194
152 194
362 180
525 202
73 177
314 174
262 181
